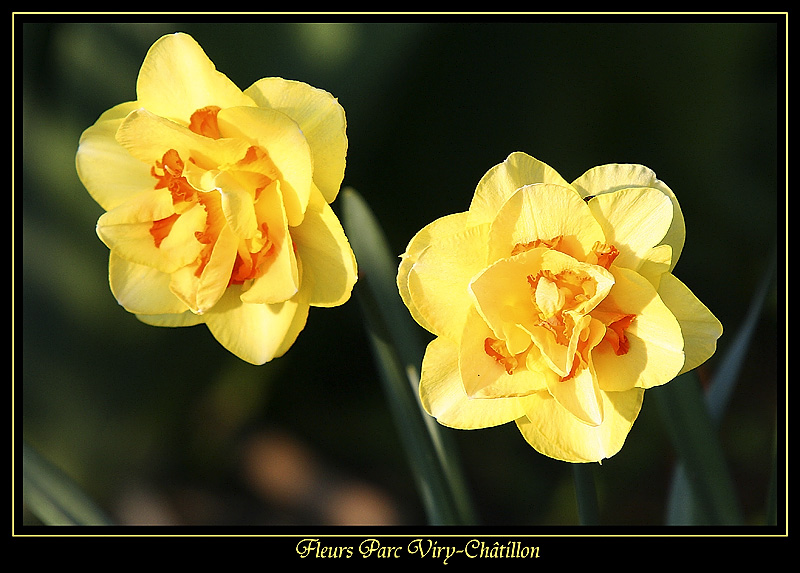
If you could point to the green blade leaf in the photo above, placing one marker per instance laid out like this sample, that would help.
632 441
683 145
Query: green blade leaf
398 351
683 508
52 496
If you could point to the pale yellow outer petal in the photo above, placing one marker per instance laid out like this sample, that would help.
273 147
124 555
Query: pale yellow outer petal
109 173
634 221
177 78
502 181
555 432
328 264
256 333
322 120
700 327
433 232
140 289
444 398
656 343
439 281
614 177
286 145
187 318
544 211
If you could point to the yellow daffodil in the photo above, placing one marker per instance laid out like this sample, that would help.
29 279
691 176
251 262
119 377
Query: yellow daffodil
554 305
217 200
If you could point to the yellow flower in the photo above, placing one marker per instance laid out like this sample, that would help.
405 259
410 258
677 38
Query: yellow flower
554 305
217 200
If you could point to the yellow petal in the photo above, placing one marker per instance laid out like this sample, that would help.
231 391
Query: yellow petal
321 119
553 431
201 293
177 78
439 281
699 326
433 232
656 354
328 262
580 393
634 221
187 318
503 180
483 376
140 289
544 212
256 333
147 137
237 205
286 145
280 278
134 242
107 170
614 177
444 398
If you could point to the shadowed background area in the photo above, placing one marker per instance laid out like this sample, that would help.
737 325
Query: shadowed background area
164 426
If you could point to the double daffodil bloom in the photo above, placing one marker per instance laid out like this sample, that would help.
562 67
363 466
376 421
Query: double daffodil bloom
217 200
554 305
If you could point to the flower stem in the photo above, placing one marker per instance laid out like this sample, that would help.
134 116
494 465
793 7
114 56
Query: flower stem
586 494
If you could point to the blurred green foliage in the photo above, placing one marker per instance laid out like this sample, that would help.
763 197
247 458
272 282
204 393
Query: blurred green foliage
164 426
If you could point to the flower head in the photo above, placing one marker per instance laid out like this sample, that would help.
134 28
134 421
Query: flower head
554 305
217 200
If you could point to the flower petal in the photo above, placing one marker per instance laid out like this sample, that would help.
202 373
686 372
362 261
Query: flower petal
544 212
140 289
613 177
443 396
187 318
656 354
133 241
553 431
177 78
286 145
431 233
256 333
280 278
321 119
634 220
147 137
502 181
106 169
482 376
328 262
201 292
439 281
699 326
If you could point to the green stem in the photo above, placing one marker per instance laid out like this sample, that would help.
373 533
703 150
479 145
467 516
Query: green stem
586 494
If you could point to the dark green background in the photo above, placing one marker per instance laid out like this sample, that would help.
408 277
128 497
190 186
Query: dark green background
165 426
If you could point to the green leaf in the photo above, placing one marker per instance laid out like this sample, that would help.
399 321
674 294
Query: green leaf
52 496
683 506
398 350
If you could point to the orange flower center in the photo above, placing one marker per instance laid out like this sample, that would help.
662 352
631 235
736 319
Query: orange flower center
557 301
169 174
